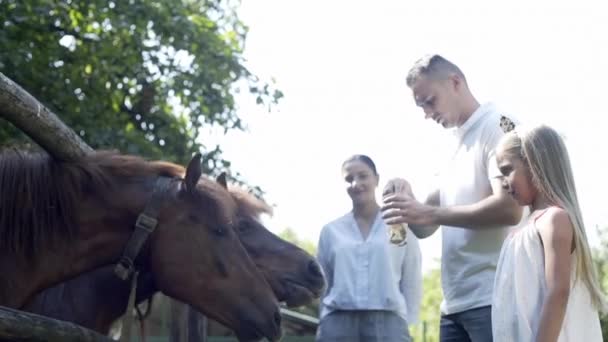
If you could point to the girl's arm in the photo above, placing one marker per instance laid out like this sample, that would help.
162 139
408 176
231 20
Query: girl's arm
557 232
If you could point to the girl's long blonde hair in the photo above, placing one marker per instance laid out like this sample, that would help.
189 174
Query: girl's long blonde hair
544 152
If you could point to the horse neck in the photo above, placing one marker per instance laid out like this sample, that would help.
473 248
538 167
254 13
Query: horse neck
100 238
103 299
103 313
94 300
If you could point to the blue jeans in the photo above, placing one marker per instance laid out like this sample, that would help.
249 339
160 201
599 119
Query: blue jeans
473 325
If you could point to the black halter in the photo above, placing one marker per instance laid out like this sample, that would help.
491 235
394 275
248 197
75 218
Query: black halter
144 226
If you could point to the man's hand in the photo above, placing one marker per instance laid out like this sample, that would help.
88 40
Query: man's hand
403 208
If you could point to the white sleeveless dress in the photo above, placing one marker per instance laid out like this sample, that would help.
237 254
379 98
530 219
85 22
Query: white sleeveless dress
519 289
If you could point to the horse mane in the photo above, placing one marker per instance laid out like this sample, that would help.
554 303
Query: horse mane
39 194
248 204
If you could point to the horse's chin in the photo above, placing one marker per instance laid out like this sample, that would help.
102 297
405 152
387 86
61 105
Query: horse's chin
249 328
249 337
298 295
252 335
246 329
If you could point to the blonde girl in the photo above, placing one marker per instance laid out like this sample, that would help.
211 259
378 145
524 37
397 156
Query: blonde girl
546 287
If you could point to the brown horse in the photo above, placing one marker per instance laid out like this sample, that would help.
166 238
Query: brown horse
62 219
96 299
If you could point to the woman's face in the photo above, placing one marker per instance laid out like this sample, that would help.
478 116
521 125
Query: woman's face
361 181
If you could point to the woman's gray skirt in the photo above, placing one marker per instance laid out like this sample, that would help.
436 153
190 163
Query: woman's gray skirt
363 326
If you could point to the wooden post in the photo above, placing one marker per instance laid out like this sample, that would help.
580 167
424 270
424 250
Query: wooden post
178 330
44 127
204 328
195 326
187 324
17 325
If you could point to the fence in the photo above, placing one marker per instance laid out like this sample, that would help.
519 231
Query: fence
17 325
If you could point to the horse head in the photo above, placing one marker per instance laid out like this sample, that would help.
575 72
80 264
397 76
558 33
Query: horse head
197 258
294 275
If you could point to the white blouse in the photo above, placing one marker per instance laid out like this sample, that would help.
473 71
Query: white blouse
372 273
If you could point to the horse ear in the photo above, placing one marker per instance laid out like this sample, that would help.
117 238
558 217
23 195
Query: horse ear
193 172
222 180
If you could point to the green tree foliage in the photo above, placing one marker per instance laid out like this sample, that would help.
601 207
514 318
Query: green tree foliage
428 327
290 235
141 76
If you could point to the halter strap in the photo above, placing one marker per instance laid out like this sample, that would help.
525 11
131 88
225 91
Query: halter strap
144 226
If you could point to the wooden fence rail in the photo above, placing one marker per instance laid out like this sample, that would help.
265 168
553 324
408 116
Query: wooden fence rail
21 326
44 127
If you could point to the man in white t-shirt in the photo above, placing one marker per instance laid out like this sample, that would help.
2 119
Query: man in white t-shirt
470 204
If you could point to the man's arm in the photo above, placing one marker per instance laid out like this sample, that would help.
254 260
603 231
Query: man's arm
498 209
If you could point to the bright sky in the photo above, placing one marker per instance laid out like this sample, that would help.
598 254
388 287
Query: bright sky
342 67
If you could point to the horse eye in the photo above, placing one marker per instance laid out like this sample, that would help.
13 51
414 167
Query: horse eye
221 230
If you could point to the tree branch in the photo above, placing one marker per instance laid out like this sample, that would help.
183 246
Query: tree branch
44 127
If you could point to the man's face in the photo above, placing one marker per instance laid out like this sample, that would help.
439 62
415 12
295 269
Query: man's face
438 100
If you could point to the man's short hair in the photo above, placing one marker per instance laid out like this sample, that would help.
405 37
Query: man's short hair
434 67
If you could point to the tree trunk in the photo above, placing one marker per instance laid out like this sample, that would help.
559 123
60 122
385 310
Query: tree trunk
18 326
44 127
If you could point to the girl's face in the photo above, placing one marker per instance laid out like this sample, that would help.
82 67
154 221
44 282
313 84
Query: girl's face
361 181
516 178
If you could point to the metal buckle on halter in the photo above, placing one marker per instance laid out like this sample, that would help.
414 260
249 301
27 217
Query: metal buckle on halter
146 222
124 268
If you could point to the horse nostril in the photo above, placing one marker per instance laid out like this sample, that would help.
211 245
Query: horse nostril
277 318
315 269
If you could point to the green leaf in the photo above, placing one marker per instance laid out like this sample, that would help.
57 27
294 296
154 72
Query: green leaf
120 81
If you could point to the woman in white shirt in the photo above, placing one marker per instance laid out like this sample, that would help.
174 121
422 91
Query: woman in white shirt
373 286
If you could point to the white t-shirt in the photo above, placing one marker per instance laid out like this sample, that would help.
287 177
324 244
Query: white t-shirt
469 257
